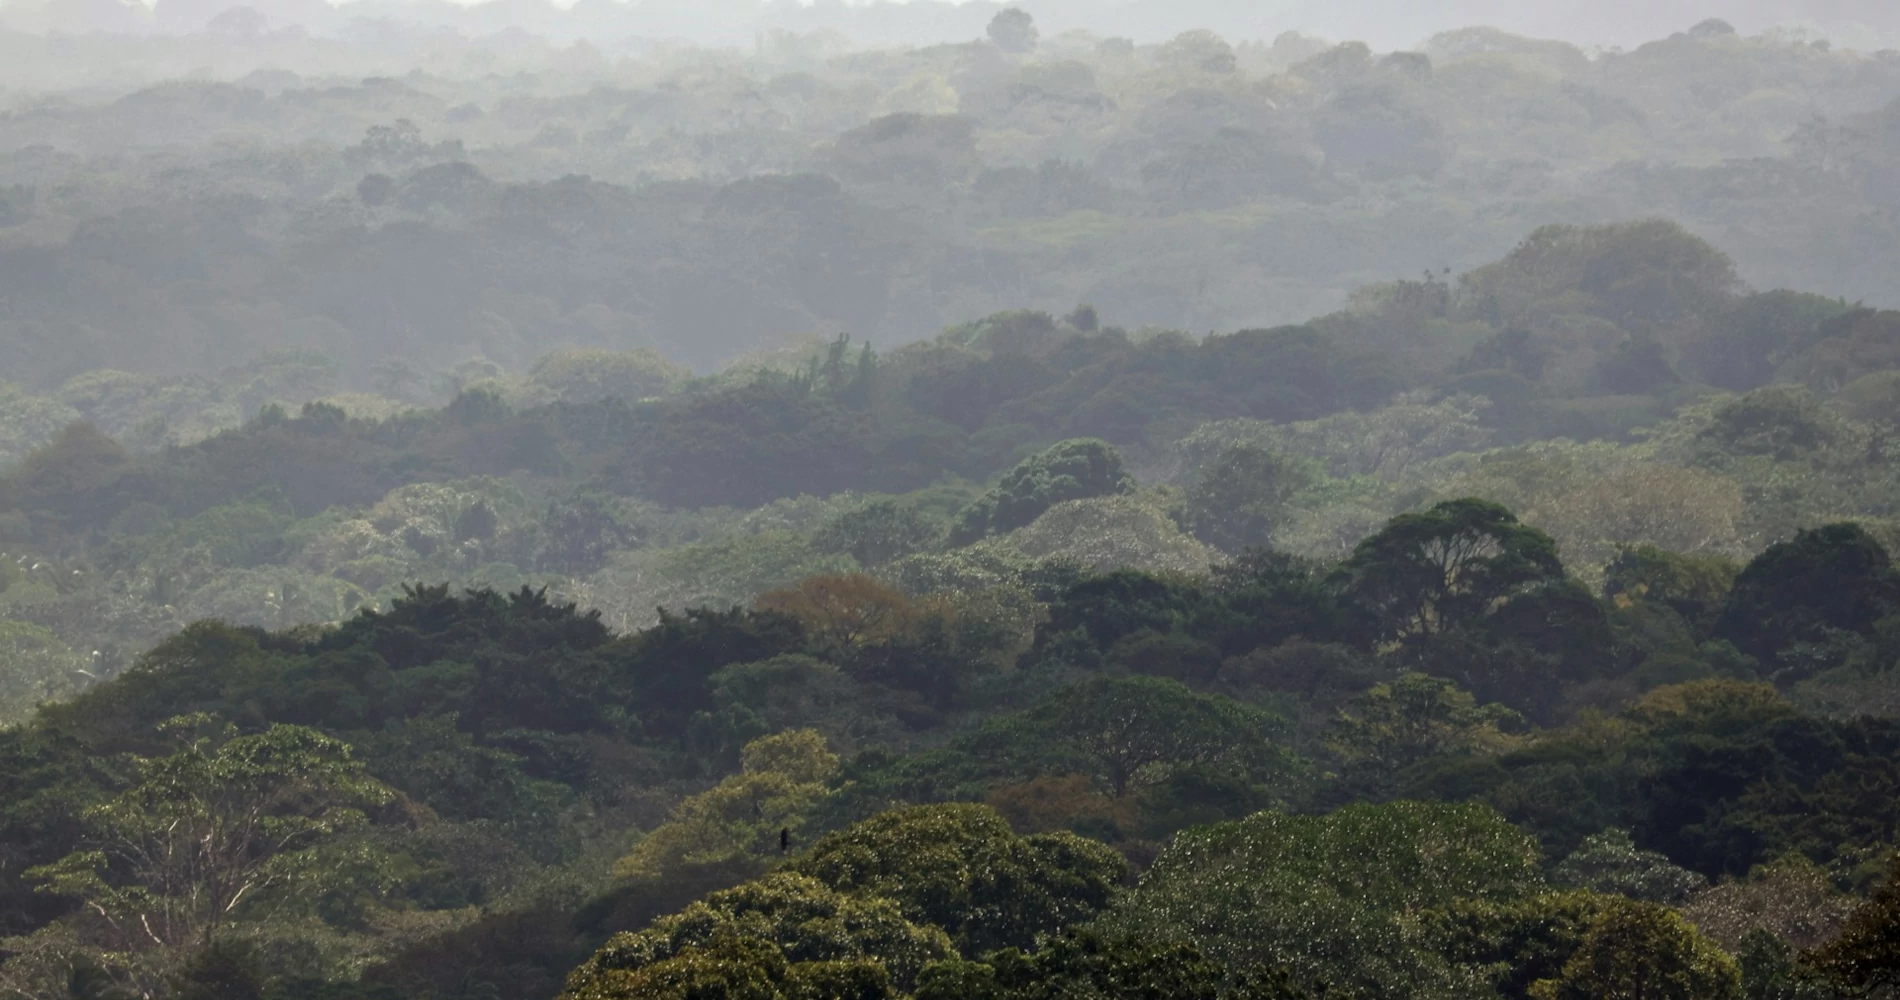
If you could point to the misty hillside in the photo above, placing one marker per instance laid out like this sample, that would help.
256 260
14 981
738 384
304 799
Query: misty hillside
440 198
948 502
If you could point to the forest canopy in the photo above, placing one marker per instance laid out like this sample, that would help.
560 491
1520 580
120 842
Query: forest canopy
506 503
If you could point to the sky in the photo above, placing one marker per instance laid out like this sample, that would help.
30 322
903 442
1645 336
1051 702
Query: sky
1385 24
1394 24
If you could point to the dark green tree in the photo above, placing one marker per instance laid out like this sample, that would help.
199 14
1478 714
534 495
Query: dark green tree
1452 565
476 522
1395 726
579 533
878 533
1332 898
1070 470
783 937
1240 498
1801 605
1611 863
224 970
1131 732
1644 951
1513 943
1694 586
1786 423
1088 617
960 867
1086 964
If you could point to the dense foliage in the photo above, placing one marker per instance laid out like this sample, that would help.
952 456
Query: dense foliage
385 613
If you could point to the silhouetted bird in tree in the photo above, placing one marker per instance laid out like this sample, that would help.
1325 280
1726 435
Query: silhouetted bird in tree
784 839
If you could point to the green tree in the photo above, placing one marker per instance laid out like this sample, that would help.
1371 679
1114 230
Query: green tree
1780 422
1197 51
1694 586
878 533
1649 276
1239 499
1800 606
961 868
1131 732
1770 971
784 936
1757 335
1076 469
214 826
1644 951
1329 898
72 484
1086 964
1610 862
737 966
1414 717
1514 942
579 533
580 375
28 421
1385 442
1101 534
226 970
735 826
1429 571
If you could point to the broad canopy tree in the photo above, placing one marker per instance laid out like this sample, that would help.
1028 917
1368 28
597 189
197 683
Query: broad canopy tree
960 867
225 821
783 936
1436 570
1644 951
1328 898
1800 606
1130 733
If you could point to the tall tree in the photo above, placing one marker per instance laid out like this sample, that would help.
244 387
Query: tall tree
1429 571
223 821
1644 951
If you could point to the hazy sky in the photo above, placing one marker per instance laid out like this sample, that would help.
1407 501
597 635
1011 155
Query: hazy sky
1385 24
1399 23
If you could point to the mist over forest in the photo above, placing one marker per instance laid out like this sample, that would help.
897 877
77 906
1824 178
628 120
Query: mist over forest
1063 500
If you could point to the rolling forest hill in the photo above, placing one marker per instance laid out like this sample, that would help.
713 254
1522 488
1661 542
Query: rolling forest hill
428 199
440 561
1521 634
1615 386
847 784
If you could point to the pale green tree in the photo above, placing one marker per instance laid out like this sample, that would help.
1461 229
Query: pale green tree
737 824
225 822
